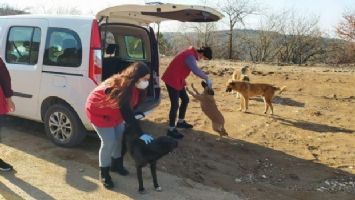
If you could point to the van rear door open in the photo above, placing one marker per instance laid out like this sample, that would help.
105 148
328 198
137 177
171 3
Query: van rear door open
123 22
146 14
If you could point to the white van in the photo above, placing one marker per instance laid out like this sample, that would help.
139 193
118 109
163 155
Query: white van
55 61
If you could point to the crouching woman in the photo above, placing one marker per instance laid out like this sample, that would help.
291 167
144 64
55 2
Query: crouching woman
108 107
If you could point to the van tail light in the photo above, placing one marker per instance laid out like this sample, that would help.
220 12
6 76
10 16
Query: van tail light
95 58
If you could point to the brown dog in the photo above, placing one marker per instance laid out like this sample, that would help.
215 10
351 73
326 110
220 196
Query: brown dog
241 75
209 107
247 90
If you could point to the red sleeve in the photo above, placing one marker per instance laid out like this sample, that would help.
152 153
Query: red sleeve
5 80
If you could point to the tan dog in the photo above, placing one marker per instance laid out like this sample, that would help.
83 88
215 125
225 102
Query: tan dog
248 90
241 75
209 107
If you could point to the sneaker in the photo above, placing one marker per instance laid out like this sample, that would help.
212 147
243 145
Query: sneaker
4 166
184 124
174 134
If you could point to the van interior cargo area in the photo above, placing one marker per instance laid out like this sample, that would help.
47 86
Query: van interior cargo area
123 45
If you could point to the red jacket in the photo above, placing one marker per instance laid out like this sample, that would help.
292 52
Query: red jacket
5 88
99 111
5 80
177 71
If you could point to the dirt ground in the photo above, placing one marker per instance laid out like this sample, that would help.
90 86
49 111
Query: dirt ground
304 151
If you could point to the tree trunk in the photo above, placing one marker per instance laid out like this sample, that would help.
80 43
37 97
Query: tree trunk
230 43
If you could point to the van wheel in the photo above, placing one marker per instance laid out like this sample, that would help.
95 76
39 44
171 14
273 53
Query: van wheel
63 126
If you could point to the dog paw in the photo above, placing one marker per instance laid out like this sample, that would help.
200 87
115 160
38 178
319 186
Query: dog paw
158 189
142 191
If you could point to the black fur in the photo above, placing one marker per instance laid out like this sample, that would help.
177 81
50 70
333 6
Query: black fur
144 154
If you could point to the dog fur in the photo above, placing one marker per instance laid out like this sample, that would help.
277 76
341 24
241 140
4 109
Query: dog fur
241 75
209 107
144 154
248 90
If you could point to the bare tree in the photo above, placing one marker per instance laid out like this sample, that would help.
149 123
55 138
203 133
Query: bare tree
7 10
287 37
61 10
236 11
346 29
68 10
204 31
345 52
301 38
262 45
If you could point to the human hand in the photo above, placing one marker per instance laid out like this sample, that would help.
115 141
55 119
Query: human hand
10 105
209 83
146 138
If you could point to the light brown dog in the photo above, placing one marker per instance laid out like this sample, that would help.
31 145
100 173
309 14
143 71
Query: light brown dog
248 90
241 75
209 107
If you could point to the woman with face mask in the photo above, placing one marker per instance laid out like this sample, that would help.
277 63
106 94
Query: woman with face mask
108 107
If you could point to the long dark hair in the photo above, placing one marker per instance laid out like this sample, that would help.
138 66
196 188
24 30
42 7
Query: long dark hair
120 85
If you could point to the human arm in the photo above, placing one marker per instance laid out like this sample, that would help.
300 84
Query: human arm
191 63
129 117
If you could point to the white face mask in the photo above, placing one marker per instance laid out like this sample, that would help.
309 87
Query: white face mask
142 85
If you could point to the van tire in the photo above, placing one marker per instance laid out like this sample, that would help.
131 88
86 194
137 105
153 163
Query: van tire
67 131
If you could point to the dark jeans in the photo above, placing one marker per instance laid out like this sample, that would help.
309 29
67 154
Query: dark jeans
174 96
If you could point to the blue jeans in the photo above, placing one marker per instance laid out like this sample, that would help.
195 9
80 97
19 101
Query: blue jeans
111 143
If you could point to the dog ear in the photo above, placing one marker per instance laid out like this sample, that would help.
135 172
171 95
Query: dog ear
204 84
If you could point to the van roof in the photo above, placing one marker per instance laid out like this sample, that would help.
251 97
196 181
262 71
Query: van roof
49 17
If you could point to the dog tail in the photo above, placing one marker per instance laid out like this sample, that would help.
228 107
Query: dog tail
281 89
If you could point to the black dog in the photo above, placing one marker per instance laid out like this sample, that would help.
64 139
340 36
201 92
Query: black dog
147 153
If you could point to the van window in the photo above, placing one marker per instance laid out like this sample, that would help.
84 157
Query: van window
22 45
63 48
135 47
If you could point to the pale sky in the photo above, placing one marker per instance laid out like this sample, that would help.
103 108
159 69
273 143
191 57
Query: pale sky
328 11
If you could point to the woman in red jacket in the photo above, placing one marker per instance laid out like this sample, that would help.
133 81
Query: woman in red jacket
108 107
6 103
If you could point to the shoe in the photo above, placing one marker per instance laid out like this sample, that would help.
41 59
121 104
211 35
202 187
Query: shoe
117 166
184 124
105 177
4 166
174 134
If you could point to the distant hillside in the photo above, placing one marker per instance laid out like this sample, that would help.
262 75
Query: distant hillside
223 35
243 41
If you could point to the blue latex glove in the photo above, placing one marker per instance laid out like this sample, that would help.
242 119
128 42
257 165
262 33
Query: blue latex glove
209 83
146 138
